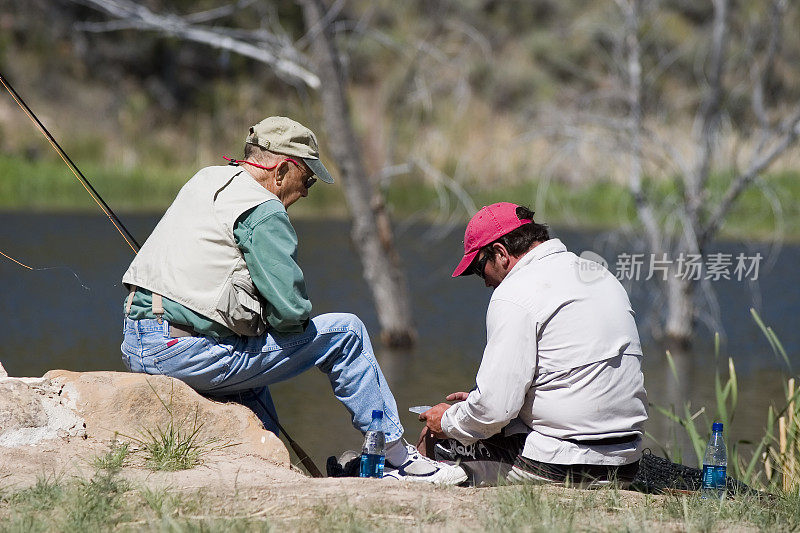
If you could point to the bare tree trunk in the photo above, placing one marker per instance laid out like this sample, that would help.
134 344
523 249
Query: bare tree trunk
371 232
644 209
679 292
680 312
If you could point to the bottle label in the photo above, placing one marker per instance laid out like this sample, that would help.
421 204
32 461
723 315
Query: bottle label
371 465
709 477
714 477
720 473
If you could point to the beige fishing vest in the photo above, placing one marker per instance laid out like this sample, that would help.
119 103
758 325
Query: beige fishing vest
192 258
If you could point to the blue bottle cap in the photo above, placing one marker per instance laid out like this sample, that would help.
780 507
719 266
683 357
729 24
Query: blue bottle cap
716 426
379 414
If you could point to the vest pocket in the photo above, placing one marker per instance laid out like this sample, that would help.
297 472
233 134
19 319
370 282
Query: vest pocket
240 306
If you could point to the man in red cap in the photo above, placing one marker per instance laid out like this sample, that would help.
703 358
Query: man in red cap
559 396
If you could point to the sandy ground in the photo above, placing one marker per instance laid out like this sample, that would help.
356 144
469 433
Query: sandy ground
234 484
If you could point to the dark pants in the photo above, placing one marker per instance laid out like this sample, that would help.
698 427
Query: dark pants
573 475
499 458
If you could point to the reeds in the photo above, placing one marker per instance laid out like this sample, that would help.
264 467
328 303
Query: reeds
773 461
780 454
780 458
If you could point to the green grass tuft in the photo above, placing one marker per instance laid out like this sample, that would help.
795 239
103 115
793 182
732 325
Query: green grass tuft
114 460
173 447
529 508
343 517
540 508
178 445
108 503
52 505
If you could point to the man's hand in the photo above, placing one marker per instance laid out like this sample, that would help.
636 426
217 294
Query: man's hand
433 419
457 396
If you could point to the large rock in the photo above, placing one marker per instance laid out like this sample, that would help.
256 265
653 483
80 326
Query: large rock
33 410
101 406
20 406
117 404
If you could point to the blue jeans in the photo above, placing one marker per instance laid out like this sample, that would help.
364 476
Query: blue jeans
240 369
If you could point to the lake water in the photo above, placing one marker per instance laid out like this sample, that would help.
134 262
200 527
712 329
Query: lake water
67 314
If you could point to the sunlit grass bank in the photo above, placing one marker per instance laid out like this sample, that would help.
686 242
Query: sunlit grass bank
107 502
536 508
768 210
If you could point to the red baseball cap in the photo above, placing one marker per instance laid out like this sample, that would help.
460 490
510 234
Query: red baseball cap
488 225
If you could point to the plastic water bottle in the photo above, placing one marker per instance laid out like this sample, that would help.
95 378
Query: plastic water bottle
715 463
372 453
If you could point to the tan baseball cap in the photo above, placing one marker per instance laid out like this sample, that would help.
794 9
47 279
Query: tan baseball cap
283 135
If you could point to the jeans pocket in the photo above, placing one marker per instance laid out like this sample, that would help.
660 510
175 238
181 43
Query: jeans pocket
171 348
201 362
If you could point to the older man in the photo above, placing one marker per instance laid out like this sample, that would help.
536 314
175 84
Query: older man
218 300
559 395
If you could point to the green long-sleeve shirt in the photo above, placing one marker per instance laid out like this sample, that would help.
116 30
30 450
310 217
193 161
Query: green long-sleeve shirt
269 245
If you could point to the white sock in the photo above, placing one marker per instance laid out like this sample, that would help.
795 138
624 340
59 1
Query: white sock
396 452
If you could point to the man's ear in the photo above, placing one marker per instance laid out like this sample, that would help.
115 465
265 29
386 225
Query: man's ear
282 169
501 252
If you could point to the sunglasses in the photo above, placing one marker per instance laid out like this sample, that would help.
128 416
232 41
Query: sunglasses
311 180
479 267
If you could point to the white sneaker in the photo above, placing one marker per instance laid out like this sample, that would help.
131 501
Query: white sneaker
419 468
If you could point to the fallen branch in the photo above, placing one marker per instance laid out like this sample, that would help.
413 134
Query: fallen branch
262 45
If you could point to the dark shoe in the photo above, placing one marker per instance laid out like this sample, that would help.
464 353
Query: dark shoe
346 466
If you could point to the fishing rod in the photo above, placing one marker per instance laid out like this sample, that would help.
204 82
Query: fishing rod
305 460
129 239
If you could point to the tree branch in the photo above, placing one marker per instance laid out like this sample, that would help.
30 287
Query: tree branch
709 114
267 48
789 138
326 20
217 12
631 10
441 179
761 69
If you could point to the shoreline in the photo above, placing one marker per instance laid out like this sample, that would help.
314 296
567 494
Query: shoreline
339 214
45 186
